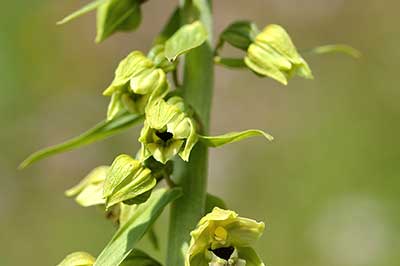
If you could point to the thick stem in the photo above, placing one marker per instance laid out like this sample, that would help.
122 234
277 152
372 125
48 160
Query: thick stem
192 176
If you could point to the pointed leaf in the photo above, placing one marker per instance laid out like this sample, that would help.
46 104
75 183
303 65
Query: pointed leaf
99 132
78 259
85 9
216 141
186 38
117 15
129 234
139 258
335 48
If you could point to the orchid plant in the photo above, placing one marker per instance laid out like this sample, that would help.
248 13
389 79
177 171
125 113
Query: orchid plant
170 168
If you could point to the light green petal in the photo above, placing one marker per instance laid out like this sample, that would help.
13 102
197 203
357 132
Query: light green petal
97 175
116 106
244 232
165 153
159 114
78 259
91 195
276 36
190 141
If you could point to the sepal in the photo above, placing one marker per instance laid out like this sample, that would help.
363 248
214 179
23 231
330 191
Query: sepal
89 191
127 181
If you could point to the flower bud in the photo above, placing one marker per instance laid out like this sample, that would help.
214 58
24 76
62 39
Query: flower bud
273 54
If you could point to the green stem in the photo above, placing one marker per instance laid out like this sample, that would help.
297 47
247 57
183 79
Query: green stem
192 176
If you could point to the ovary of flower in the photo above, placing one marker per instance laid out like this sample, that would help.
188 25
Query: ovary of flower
220 234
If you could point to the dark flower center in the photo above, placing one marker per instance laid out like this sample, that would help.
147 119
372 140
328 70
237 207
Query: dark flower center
223 253
165 136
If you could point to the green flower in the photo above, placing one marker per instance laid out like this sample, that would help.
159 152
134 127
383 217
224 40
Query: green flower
138 80
223 238
168 130
273 54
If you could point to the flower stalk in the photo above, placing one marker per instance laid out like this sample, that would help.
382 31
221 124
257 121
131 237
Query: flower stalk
192 176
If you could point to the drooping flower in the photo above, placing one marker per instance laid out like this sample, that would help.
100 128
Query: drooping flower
223 238
138 80
273 54
168 130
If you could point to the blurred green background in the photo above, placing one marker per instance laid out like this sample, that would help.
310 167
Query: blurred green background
328 187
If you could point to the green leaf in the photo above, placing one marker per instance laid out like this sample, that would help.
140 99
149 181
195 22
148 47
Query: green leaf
85 9
78 259
230 62
153 238
216 141
185 39
139 258
240 34
173 24
99 132
117 15
335 48
214 201
133 230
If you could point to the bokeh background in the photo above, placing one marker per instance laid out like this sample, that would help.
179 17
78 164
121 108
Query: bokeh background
328 187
